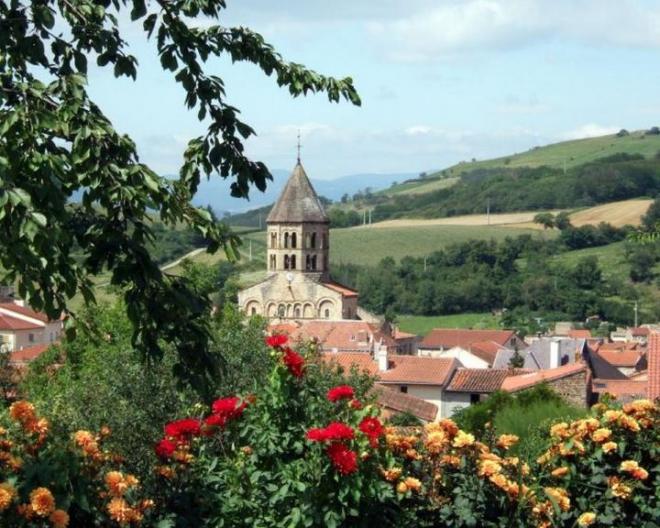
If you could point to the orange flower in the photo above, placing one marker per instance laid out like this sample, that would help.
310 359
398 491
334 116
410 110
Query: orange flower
22 411
42 501
401 487
7 494
463 439
560 496
560 471
412 484
586 519
59 519
632 467
488 468
560 430
505 441
612 416
619 490
165 472
451 460
628 422
120 511
391 474
608 447
499 480
601 435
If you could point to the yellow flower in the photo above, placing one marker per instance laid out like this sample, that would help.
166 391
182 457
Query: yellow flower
7 494
628 422
392 474
560 471
488 468
608 447
412 484
401 487
586 519
42 501
463 439
120 511
505 441
59 519
601 435
499 480
436 441
619 490
560 430
612 415
451 460
560 496
632 467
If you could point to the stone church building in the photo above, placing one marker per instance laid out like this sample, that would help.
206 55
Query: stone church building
298 285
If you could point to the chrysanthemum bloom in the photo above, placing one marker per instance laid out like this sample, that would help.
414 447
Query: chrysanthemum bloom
628 422
7 494
632 468
619 489
560 471
612 415
22 411
488 468
463 439
412 484
401 487
436 442
355 404
165 448
165 471
449 427
342 458
601 435
505 441
560 430
391 474
608 447
341 392
276 340
499 480
120 511
114 481
316 434
183 429
560 496
334 431
82 438
451 460
229 408
586 519
59 519
372 429
42 502
294 362
25 510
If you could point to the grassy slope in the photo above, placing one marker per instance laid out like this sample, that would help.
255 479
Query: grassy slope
572 153
422 324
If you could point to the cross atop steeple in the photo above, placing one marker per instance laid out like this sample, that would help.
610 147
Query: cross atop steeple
298 145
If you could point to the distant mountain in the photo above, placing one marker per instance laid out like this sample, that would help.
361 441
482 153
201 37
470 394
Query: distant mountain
215 192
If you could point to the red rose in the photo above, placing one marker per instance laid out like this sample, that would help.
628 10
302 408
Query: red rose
165 448
230 408
372 429
317 435
344 460
294 362
215 420
341 392
183 429
335 431
277 340
356 404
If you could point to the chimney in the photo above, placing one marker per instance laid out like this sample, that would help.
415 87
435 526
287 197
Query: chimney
555 354
653 354
381 357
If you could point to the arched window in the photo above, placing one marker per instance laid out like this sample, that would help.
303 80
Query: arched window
327 313
273 262
308 262
286 261
253 311
281 310
306 240
313 242
314 262
296 313
294 240
293 262
273 240
324 241
286 240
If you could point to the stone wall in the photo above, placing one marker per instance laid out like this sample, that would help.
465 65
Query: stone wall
575 389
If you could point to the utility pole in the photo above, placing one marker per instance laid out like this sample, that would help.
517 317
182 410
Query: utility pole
259 215
369 216
636 313
425 264
364 217
488 211
250 258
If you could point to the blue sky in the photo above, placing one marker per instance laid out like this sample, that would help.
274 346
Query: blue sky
441 81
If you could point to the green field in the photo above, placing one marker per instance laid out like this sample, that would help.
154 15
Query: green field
422 325
421 186
368 246
568 153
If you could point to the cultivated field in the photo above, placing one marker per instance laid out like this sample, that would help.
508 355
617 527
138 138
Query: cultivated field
422 324
616 213
421 186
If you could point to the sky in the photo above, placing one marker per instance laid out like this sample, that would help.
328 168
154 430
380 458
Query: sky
441 81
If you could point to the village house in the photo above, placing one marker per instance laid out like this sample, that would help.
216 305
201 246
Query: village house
21 327
473 348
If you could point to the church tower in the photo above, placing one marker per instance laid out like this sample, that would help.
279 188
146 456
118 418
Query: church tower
298 230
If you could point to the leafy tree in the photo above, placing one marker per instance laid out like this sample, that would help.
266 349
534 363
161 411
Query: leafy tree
562 221
517 360
642 260
547 220
55 142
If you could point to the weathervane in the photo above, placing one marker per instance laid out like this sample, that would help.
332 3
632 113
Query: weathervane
298 145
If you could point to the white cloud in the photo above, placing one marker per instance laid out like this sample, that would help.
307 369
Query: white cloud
589 130
485 25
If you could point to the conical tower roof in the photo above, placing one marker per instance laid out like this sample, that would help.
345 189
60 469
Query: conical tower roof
298 201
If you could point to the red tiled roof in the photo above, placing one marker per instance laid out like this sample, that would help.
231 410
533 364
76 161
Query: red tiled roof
413 370
486 350
619 345
524 381
400 402
640 331
624 358
620 387
28 353
7 322
451 337
481 380
25 311
344 290
398 334
579 333
653 358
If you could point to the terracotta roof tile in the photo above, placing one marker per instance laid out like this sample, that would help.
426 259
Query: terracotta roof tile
640 331
579 333
25 311
451 337
480 380
524 381
623 358
28 353
10 323
486 350
400 402
413 370
619 388
340 288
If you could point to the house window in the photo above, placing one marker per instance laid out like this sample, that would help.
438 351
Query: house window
404 389
314 262
474 398
293 261
313 242
31 338
294 240
272 262
273 240
286 240
308 262
286 262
